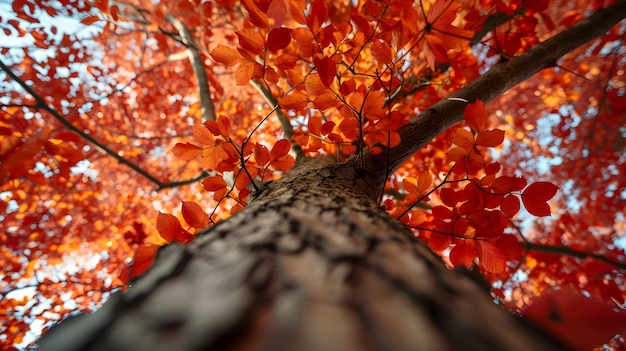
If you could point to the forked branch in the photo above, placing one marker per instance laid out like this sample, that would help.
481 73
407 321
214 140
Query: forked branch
503 76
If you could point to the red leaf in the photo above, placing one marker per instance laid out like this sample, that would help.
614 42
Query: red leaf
217 185
381 51
463 253
476 116
186 151
280 158
278 38
89 20
491 258
490 138
261 155
449 197
318 14
194 215
168 227
327 69
510 205
143 259
282 147
581 322
535 198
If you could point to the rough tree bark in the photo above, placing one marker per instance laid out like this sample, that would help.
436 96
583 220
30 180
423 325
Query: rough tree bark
313 263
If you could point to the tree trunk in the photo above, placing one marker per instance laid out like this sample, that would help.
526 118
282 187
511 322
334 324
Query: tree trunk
313 263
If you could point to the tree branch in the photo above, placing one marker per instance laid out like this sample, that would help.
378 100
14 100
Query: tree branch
41 104
282 118
566 251
206 103
503 76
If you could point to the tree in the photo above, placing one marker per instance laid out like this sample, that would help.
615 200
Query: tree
314 256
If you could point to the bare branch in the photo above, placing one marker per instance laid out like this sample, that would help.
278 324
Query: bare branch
441 116
41 104
206 103
282 118
566 251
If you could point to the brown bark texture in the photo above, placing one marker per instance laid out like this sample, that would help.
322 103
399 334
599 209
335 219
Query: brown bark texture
312 264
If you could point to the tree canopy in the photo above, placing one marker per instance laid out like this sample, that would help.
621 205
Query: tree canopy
128 125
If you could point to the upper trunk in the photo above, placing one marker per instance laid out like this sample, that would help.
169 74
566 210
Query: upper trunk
312 264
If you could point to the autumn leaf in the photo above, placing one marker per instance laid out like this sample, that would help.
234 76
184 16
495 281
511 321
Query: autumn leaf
170 229
463 253
278 38
225 55
215 184
142 260
279 156
490 138
441 34
491 258
510 205
535 198
194 215
186 151
295 100
203 135
261 155
476 115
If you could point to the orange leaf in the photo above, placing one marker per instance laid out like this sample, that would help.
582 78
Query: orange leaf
373 105
276 13
581 322
314 85
317 15
475 115
224 127
463 138
168 227
225 55
248 70
490 138
89 20
251 40
186 151
294 101
142 260
280 158
203 135
283 163
215 184
255 15
535 198
315 125
194 215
